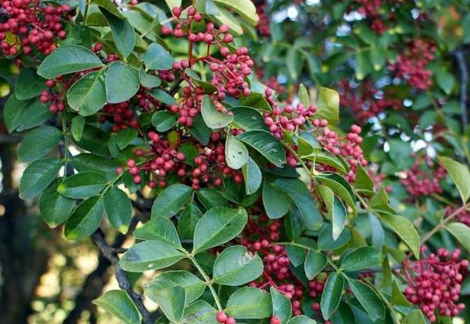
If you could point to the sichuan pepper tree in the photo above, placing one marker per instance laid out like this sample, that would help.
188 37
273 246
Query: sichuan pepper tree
211 139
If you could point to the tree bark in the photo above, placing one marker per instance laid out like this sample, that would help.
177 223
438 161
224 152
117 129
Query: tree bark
22 259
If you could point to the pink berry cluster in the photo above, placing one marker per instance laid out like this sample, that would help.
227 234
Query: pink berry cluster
229 68
366 101
33 25
423 179
120 114
371 10
260 236
229 74
190 106
434 283
57 89
229 71
288 118
411 64
263 26
164 158
349 146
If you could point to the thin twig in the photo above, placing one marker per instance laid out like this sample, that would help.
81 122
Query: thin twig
443 223
10 139
124 283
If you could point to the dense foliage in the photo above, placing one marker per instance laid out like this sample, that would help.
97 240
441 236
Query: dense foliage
209 134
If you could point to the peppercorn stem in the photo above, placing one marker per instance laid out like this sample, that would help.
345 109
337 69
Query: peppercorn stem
206 278
443 222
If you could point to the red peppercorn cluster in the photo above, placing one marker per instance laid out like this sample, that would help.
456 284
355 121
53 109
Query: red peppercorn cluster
349 146
164 158
190 106
229 74
423 179
288 118
161 159
120 114
145 100
370 10
58 87
229 68
33 25
53 97
411 64
263 26
366 101
260 236
434 283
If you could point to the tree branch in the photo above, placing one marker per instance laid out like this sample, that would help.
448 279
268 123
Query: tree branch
463 88
10 139
95 282
124 283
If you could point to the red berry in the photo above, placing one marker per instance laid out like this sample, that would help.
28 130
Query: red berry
230 320
221 317
176 11
275 320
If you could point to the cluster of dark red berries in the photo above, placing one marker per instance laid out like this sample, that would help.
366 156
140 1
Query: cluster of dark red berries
411 64
288 118
434 283
349 146
263 26
31 24
163 158
366 101
98 47
46 96
370 9
55 94
423 179
120 114
190 106
146 101
229 68
260 236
